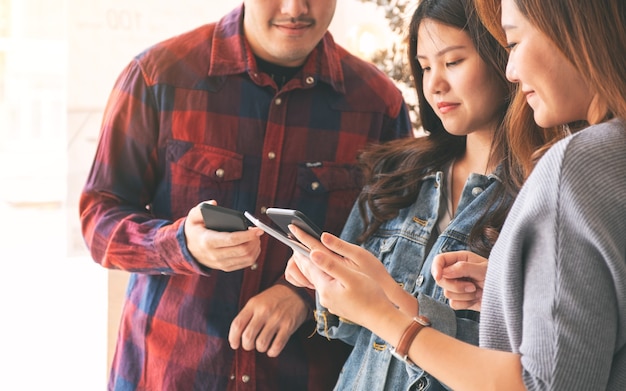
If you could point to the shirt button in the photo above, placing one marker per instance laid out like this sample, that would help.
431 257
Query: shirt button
219 173
476 191
254 266
309 80
420 280
232 377
245 378
278 101
315 186
263 209
271 155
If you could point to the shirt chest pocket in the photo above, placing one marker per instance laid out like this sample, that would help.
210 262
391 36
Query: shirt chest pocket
317 178
200 173
327 189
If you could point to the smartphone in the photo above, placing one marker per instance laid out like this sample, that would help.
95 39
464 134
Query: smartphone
282 237
223 219
284 217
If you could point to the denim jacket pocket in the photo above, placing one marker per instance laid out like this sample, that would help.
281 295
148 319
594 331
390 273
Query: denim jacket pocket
387 245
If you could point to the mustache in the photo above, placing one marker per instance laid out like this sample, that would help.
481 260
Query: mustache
292 20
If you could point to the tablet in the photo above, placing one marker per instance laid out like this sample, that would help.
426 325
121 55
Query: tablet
295 246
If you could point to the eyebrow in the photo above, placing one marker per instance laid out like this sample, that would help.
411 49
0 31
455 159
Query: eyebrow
444 51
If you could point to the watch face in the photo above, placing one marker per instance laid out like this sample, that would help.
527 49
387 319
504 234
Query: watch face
424 321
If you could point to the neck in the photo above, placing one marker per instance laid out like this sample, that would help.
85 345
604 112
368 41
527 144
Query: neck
474 160
477 154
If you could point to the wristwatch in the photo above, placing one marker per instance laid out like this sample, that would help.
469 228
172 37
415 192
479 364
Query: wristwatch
401 351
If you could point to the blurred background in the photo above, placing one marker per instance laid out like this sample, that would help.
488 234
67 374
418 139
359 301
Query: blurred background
58 62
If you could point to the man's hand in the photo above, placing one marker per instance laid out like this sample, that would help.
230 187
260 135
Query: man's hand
226 251
268 320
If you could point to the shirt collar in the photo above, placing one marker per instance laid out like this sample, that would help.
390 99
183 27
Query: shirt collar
231 54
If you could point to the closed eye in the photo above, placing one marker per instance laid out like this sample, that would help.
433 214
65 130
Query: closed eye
510 46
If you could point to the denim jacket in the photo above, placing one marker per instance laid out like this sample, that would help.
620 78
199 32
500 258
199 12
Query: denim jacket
401 244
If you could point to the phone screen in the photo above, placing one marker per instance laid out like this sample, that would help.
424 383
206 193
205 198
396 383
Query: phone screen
284 217
223 219
295 246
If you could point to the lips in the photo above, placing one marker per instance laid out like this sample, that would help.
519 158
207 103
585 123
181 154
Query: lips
445 107
293 26
293 29
528 94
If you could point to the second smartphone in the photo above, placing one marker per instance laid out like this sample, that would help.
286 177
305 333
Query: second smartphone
284 217
223 219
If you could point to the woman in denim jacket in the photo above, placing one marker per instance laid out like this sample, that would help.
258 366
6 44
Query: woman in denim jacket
447 191
402 246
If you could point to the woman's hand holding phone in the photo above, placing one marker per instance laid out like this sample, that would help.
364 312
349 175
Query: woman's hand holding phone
341 288
354 256
299 268
358 259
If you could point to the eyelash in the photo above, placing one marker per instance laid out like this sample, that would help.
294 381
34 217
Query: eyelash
448 64
510 46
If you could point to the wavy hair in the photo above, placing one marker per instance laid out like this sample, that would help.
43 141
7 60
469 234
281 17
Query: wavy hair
395 171
582 30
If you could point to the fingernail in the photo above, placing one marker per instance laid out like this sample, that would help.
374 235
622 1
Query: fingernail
470 289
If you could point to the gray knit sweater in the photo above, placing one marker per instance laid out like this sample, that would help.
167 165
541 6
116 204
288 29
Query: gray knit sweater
556 282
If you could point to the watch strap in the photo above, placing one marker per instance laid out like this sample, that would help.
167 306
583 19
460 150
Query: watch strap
409 334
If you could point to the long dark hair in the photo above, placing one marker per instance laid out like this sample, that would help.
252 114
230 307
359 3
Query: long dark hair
394 171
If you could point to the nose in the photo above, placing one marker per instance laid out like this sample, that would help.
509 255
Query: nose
295 8
511 73
435 81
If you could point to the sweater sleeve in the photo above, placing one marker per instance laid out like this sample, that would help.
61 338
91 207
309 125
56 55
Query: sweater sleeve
562 289
588 250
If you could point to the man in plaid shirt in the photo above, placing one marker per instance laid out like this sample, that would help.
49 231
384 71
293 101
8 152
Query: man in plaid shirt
257 110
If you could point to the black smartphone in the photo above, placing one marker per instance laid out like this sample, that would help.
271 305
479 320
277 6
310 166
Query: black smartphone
223 219
284 217
281 236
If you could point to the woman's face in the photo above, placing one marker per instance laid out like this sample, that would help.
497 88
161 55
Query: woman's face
554 89
462 90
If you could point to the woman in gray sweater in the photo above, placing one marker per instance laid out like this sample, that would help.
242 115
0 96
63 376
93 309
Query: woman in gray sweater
554 302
